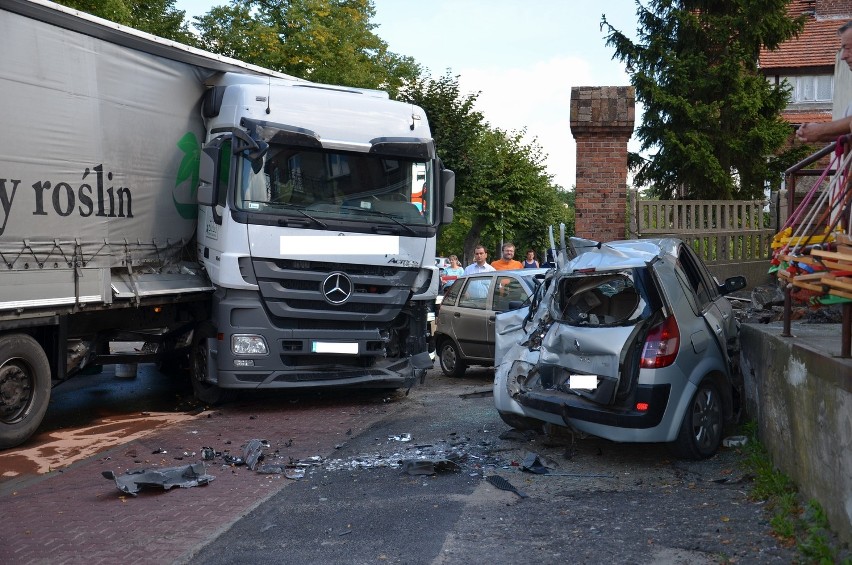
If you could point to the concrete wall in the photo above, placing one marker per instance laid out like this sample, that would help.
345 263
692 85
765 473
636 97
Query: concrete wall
800 393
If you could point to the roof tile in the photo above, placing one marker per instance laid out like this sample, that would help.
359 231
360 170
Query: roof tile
816 46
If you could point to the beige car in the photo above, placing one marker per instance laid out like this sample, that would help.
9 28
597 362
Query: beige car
465 330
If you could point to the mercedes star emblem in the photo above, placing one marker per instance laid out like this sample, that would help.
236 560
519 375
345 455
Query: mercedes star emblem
336 288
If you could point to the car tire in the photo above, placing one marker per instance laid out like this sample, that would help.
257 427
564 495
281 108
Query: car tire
703 424
450 359
518 422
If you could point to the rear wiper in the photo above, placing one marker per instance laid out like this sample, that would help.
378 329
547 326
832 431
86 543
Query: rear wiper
382 214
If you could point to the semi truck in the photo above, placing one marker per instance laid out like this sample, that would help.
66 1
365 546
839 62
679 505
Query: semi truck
272 232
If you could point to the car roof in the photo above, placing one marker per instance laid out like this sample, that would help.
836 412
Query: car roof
511 271
622 254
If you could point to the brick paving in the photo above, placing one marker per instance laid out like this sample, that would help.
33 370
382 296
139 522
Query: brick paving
77 516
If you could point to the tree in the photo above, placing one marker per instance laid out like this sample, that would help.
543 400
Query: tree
326 41
158 17
711 117
502 189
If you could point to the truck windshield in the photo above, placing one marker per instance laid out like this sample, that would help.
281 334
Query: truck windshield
330 185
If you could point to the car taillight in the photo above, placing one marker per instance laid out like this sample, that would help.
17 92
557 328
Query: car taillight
661 345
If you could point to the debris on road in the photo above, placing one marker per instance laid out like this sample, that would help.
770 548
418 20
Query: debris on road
502 484
532 464
428 467
735 441
253 452
185 476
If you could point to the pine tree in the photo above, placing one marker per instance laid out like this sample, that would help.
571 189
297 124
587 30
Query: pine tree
712 122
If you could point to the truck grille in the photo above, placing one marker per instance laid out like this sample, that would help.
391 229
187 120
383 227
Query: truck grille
294 289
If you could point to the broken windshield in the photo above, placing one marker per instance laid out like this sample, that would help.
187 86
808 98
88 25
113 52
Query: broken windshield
296 181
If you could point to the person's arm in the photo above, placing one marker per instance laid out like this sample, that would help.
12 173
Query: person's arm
828 131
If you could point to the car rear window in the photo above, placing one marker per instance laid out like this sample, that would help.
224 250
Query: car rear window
610 299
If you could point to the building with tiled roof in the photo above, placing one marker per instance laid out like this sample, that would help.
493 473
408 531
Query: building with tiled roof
807 62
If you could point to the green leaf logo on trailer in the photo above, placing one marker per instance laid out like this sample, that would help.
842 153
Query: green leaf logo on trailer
188 171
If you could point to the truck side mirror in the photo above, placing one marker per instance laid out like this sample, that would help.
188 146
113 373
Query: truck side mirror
448 184
448 187
207 176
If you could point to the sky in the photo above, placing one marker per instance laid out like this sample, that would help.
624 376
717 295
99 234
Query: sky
522 57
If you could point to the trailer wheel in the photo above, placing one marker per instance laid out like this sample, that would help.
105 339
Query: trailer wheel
25 384
204 391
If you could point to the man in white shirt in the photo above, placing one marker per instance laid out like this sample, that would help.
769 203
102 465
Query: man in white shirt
479 265
832 130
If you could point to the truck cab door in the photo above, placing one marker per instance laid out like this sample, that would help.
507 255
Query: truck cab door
214 179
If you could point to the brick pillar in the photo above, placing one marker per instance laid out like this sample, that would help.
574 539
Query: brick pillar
602 123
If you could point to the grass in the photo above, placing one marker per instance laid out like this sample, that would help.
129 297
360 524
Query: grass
793 522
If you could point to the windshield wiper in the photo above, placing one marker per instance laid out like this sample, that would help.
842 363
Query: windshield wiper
382 214
300 209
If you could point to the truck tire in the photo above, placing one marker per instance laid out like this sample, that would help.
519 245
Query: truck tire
204 391
25 385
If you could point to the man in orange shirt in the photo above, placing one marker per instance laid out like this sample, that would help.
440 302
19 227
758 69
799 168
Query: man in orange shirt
507 262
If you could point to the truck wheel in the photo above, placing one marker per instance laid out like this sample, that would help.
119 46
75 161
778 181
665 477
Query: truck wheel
450 358
25 384
703 424
203 390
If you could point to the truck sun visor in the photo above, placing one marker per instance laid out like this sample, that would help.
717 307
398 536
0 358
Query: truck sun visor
282 134
407 148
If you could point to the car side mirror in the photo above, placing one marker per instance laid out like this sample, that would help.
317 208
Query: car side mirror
733 284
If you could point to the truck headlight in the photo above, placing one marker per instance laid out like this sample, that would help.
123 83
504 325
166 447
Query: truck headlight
247 344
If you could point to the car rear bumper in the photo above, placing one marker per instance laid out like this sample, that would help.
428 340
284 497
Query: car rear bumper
575 410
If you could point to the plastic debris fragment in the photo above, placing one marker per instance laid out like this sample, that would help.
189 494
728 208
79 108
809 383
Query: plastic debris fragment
735 441
185 476
502 484
532 464
428 467
253 452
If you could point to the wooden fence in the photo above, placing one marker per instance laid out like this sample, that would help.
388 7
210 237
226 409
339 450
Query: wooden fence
720 231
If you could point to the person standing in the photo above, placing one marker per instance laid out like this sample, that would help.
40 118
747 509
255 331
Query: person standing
479 265
455 269
507 261
530 262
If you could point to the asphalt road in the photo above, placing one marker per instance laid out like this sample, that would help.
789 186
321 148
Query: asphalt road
602 502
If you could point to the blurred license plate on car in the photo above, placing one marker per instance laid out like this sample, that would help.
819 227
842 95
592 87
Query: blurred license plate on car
335 347
586 382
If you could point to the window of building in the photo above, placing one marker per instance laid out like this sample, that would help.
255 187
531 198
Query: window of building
810 88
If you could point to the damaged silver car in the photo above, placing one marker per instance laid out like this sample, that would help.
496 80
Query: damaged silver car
629 341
